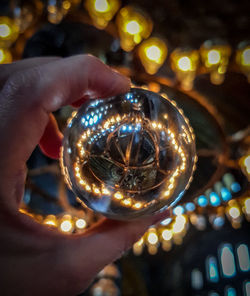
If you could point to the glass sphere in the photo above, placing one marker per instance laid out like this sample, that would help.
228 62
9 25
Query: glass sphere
130 155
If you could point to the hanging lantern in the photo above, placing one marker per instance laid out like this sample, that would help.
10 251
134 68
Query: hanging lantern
8 31
243 58
215 56
184 63
133 26
102 11
152 53
5 56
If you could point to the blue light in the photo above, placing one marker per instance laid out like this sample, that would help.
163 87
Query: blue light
214 199
227 261
166 221
95 118
129 96
130 128
179 210
212 270
70 124
86 123
83 120
225 194
219 222
230 291
124 128
91 121
202 201
87 117
190 206
235 187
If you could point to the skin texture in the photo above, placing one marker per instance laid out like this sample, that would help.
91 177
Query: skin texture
34 259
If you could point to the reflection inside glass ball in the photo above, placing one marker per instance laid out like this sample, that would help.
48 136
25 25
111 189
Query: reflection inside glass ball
129 156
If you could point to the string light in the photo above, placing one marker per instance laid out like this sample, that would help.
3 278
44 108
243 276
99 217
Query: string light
102 11
81 223
243 58
133 26
215 56
5 56
152 53
9 31
184 63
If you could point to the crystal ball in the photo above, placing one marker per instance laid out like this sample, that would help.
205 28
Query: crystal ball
128 156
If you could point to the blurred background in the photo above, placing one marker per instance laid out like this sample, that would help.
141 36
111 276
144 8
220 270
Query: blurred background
197 53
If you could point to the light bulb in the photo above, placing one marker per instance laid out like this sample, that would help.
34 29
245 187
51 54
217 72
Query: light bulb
215 56
133 25
124 158
8 31
243 58
102 11
152 53
184 63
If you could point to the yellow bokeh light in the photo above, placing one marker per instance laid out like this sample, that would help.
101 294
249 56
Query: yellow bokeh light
234 212
152 53
4 30
101 5
8 31
5 56
247 164
247 205
152 238
50 220
118 195
133 27
167 234
102 11
184 64
81 223
213 57
66 226
245 57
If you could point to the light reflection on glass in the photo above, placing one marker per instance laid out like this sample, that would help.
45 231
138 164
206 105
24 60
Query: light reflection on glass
229 291
243 257
212 269
227 261
196 279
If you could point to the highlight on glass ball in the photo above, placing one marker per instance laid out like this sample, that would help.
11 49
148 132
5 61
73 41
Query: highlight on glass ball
129 156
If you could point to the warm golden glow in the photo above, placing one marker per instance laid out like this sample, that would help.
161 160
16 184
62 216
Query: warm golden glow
81 223
213 57
152 53
8 31
245 57
234 212
152 238
102 11
101 5
66 224
4 30
133 26
185 63
5 56
118 195
126 202
50 220
167 234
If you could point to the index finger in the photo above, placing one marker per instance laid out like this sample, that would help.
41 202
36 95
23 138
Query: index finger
29 96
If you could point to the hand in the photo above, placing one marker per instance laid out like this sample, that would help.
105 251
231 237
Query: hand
34 259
